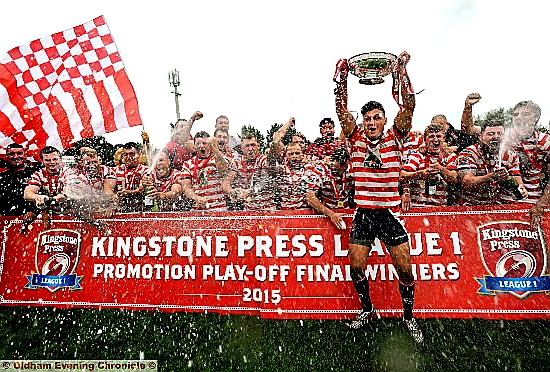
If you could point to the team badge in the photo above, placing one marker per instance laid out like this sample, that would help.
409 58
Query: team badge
56 260
514 255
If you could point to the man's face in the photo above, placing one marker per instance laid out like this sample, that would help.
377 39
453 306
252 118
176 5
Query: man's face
130 157
16 157
327 130
294 155
162 165
222 138
52 162
222 123
374 122
297 140
434 140
491 137
250 148
203 147
524 120
90 164
335 167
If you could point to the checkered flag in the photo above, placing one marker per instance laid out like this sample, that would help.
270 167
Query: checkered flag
65 87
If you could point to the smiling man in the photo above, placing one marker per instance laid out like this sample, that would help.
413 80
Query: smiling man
375 167
426 175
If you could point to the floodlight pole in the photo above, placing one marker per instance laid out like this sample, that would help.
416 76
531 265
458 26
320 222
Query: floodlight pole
174 80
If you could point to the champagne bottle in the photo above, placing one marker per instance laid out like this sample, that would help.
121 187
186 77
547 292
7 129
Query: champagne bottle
150 204
431 185
511 185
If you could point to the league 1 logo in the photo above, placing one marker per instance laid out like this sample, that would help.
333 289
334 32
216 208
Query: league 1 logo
515 256
56 259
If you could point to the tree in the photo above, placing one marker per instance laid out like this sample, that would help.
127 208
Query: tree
245 130
286 139
104 149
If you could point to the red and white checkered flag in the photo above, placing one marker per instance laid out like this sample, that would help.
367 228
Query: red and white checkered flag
65 87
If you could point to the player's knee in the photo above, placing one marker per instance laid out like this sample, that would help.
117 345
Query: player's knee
406 277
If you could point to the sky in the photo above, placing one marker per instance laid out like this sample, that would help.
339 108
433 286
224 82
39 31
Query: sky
260 63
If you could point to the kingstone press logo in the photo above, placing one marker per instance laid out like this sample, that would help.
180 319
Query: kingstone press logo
515 256
57 254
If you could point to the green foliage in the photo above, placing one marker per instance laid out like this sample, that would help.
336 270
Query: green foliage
104 149
500 116
274 128
199 342
246 129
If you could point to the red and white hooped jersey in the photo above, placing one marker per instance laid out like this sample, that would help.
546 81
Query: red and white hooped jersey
471 159
206 181
256 178
98 180
129 178
333 192
164 184
417 161
375 168
534 155
53 184
289 182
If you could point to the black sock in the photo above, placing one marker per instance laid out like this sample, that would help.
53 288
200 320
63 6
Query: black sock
361 285
407 297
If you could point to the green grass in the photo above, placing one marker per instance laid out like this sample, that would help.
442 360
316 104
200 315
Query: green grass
191 342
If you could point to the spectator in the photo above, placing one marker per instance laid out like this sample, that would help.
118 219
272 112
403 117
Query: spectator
181 147
14 180
162 185
426 176
375 165
326 144
128 179
289 174
484 173
203 175
328 185
255 186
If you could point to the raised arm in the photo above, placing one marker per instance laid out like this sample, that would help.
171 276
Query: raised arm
403 119
183 132
277 138
467 121
347 122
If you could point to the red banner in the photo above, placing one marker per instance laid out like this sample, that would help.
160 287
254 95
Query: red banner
468 263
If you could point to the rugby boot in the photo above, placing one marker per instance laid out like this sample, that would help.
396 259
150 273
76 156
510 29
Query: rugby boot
414 330
363 318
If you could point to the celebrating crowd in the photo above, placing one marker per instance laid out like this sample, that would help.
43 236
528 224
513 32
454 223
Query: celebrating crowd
491 163
355 165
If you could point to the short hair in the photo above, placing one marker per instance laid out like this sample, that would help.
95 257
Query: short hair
202 134
489 123
85 151
372 105
291 144
221 117
326 121
250 135
131 145
220 130
440 116
15 146
433 128
529 104
48 150
340 155
301 135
